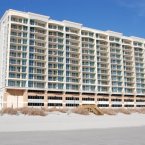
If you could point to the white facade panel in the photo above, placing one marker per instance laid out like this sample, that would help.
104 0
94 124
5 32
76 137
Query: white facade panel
140 103
72 101
88 102
35 101
116 103
15 101
55 101
103 102
129 103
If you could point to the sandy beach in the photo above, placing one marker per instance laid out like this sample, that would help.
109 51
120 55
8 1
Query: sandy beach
114 136
73 129
62 121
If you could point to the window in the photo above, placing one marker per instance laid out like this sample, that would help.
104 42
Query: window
32 22
60 66
23 76
55 104
23 83
11 83
18 83
30 76
128 105
72 105
25 28
35 104
60 72
24 55
102 99
103 105
116 105
60 28
12 68
24 34
11 75
23 69
30 84
24 48
31 70
54 98
88 99
25 21
60 79
31 35
31 42
23 62
32 29
20 20
36 97
31 49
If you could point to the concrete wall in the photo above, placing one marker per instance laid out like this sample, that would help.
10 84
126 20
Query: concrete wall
15 101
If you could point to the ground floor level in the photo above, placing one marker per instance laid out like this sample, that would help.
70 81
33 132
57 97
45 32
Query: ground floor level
17 98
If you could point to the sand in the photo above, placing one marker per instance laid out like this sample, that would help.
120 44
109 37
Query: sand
62 121
62 129
115 136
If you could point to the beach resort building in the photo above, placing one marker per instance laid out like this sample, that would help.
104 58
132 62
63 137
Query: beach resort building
47 63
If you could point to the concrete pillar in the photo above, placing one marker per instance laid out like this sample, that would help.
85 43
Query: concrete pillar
45 100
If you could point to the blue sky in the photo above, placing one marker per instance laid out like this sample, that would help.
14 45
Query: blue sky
126 16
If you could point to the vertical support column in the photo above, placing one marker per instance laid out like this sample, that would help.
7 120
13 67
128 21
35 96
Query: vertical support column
63 100
81 73
64 56
110 79
45 100
110 101
7 47
96 101
46 58
80 99
134 69
5 94
28 38
25 98
122 69
122 72
95 54
122 100
134 101
3 51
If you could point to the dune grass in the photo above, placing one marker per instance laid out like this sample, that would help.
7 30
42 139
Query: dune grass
32 111
78 110
9 111
25 111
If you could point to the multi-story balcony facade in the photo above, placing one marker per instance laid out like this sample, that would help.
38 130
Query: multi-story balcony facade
50 63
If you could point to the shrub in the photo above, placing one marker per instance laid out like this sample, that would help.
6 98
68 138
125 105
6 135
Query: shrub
140 110
63 110
54 109
32 111
125 111
80 110
10 111
109 111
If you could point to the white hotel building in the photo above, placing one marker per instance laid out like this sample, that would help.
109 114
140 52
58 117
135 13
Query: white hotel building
46 63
